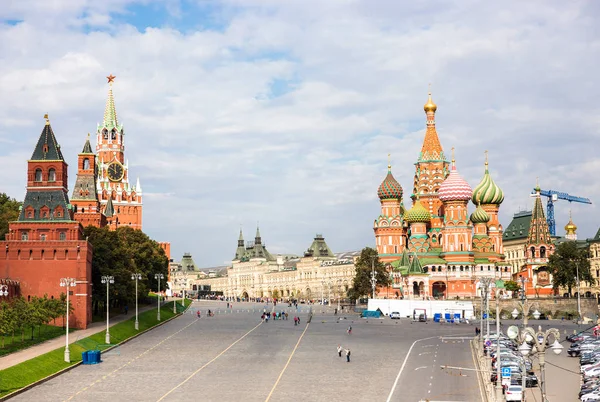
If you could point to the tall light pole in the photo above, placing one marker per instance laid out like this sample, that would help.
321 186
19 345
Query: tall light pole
538 340
136 276
64 282
339 281
499 286
108 280
485 288
159 277
524 306
578 292
373 279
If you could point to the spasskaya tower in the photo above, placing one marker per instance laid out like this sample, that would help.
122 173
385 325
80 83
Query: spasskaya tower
113 179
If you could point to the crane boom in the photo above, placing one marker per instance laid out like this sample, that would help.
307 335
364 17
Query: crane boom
554 196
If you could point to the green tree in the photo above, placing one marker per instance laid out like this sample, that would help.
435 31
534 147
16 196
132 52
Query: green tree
119 254
361 284
6 320
9 211
512 286
564 264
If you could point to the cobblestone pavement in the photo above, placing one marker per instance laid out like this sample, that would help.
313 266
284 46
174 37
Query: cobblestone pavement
233 356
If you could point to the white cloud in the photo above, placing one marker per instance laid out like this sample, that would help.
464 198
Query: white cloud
215 146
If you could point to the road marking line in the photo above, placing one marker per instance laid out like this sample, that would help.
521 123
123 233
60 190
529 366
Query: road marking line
389 398
203 367
287 364
147 350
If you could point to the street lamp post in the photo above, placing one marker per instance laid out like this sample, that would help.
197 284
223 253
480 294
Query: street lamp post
64 282
485 290
108 280
578 291
537 340
524 306
136 277
159 277
339 281
373 279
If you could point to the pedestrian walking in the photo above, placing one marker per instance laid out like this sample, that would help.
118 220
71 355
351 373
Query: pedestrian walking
339 349
349 330
348 355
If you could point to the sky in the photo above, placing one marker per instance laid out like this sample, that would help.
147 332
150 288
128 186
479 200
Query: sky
282 113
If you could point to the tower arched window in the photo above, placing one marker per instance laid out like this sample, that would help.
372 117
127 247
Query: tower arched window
51 174
113 134
105 134
86 163
542 252
532 252
38 174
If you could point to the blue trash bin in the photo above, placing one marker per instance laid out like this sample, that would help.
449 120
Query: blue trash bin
98 355
85 357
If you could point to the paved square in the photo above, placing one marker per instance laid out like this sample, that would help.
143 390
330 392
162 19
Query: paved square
233 356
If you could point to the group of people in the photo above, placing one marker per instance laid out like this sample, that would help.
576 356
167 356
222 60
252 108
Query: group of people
345 351
279 315
210 313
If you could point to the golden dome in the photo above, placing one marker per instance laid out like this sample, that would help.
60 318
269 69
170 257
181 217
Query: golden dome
570 227
430 106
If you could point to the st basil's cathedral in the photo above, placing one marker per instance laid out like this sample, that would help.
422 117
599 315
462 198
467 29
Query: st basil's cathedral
436 249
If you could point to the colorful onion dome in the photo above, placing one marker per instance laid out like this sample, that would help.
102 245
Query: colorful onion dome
480 216
430 106
389 188
487 192
417 213
455 188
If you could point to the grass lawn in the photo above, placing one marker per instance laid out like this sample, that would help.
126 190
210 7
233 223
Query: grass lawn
23 374
40 335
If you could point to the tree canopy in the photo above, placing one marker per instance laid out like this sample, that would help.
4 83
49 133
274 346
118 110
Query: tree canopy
9 211
564 264
119 254
361 284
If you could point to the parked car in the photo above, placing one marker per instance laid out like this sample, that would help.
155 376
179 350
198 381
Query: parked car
394 315
514 393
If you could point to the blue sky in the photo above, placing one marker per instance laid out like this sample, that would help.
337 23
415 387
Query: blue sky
283 112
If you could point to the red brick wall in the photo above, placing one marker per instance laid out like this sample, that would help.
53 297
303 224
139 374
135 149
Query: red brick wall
39 265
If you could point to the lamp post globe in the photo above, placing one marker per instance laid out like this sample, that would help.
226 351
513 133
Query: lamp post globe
524 349
556 347
515 313
536 314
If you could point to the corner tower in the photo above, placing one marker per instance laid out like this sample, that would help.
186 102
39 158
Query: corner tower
113 179
431 169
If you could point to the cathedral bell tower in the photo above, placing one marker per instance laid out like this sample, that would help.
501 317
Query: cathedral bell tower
113 180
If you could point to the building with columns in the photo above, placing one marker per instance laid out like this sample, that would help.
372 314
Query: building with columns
255 273
435 248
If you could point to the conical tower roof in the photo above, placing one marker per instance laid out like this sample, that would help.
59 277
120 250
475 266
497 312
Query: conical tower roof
415 265
432 148
538 229
109 211
110 112
87 147
47 148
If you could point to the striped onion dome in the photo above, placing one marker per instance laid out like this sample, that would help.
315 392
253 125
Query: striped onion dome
455 188
487 192
417 213
389 188
480 216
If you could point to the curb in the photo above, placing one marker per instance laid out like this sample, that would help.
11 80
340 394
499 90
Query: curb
483 384
51 376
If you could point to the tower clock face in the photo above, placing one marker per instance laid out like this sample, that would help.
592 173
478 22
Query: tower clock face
115 171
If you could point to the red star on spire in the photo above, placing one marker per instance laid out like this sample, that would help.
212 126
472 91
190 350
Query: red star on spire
111 78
